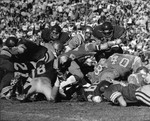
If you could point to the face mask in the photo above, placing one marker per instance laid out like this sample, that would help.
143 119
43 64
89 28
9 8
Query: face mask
147 79
54 35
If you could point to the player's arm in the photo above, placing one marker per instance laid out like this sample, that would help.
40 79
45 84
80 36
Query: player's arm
115 42
75 42
123 36
19 49
99 46
91 48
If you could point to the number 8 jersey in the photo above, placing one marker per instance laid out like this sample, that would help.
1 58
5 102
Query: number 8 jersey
45 70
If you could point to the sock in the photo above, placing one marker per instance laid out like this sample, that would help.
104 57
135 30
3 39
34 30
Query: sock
69 80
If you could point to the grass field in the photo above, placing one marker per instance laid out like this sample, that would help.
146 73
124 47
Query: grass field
71 111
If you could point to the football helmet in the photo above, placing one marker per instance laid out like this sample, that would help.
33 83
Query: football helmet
107 29
103 85
143 70
55 32
88 31
45 35
58 47
11 42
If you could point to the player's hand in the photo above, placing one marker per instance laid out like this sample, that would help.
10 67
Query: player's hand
118 41
15 50
72 56
63 59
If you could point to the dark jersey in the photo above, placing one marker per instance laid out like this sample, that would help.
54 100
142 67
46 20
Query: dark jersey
118 32
45 70
33 52
107 53
23 69
6 59
116 90
83 50
63 38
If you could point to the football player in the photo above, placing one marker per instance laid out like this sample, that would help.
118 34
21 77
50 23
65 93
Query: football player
94 92
53 50
86 50
55 34
74 42
42 80
45 74
23 55
6 64
80 38
89 49
118 66
29 51
131 92
139 77
107 32
88 34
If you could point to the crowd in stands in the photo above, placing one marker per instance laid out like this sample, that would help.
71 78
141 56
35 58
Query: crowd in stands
26 18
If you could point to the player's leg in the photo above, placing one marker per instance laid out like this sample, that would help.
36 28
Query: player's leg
55 89
47 91
74 69
137 63
121 101
45 87
70 80
29 87
6 80
6 65
113 94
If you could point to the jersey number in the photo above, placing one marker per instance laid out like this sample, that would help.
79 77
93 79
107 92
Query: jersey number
98 69
41 69
38 71
92 87
21 67
124 61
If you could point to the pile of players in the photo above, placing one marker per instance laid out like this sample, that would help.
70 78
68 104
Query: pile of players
89 66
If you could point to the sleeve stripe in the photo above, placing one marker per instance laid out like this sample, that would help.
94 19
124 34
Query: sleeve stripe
143 97
114 96
45 58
